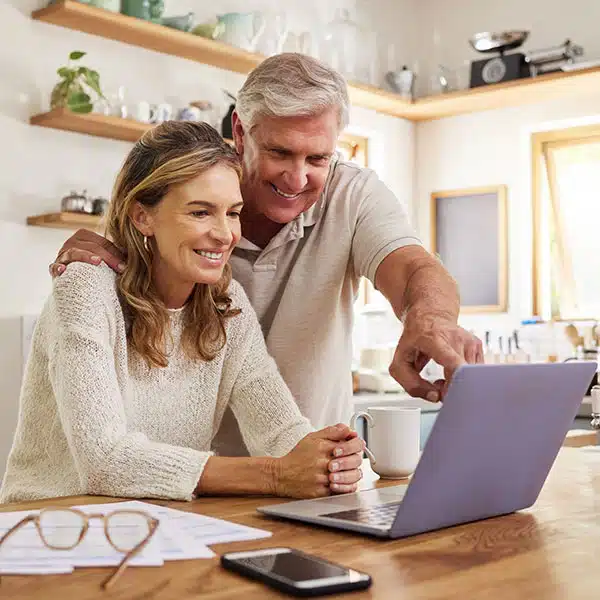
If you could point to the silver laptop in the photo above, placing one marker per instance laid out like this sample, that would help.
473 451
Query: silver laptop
488 454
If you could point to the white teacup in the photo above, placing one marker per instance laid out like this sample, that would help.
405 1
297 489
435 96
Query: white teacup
394 439
143 112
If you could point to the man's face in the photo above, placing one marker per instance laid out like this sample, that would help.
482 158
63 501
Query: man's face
286 162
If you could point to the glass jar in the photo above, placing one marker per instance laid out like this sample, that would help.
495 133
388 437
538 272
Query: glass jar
342 37
113 5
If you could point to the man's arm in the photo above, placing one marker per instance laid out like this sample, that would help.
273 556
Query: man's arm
425 298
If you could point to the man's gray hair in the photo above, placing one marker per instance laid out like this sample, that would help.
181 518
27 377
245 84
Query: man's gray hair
291 85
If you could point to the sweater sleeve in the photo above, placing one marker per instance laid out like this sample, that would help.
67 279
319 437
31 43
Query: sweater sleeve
110 459
269 419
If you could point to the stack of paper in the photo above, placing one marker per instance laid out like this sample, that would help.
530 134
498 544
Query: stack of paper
180 535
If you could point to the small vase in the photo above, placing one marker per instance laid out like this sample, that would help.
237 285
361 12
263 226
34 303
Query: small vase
148 10
60 94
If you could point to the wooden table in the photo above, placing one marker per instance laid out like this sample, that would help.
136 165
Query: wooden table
551 551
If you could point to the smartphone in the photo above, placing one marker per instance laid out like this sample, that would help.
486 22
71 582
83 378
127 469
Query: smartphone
295 572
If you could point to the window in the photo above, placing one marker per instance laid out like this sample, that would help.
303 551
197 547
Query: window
566 194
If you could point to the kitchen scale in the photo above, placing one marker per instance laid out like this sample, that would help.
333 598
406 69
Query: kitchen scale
505 67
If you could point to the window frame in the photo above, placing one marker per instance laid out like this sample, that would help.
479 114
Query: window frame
539 142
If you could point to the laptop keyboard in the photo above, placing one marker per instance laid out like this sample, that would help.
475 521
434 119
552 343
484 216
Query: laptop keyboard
379 515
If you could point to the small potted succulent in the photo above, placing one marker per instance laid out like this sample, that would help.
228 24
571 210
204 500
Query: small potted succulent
75 86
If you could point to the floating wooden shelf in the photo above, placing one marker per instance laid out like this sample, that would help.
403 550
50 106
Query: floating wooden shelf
106 126
95 124
504 95
137 32
66 220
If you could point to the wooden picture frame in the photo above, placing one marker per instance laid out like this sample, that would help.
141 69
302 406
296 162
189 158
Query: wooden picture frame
354 148
469 234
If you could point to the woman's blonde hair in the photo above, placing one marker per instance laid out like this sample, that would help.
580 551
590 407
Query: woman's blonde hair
171 153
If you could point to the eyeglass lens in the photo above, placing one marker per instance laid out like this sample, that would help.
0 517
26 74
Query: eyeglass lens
127 529
61 529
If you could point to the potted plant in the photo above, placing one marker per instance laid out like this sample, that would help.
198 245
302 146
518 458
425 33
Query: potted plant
74 88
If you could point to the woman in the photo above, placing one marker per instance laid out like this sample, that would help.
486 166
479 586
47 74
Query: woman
129 375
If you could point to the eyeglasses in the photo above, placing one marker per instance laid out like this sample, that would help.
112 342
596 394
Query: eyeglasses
127 531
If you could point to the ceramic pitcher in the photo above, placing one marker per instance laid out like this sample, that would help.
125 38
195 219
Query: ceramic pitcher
149 10
240 29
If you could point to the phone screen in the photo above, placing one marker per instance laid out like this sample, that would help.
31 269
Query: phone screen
295 567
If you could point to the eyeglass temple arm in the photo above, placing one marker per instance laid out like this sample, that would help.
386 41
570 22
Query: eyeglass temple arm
15 528
110 580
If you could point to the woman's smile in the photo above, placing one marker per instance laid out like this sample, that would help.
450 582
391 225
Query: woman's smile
213 258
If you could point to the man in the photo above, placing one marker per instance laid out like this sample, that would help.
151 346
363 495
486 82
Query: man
312 225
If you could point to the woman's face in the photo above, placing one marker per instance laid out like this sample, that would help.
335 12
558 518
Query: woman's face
194 229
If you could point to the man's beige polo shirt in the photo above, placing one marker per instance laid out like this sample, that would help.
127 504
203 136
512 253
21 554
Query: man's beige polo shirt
304 283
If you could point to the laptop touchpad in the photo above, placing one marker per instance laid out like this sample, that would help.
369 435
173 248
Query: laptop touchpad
363 499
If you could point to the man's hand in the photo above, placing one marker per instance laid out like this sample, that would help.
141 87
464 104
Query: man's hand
440 340
89 247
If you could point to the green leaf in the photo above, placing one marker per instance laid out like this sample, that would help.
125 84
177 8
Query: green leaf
76 55
65 72
79 102
92 78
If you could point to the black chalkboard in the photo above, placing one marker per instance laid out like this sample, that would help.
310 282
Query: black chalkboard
469 236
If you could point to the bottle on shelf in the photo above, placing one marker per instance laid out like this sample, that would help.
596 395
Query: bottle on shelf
510 357
488 354
520 355
500 356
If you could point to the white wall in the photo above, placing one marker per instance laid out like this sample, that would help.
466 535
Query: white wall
445 27
491 148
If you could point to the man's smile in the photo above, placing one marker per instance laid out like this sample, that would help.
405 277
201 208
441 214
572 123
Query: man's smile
283 194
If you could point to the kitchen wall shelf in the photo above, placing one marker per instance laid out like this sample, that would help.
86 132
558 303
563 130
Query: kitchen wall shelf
511 93
137 32
98 125
115 26
66 220
106 126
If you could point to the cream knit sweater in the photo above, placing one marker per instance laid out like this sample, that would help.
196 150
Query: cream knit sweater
94 419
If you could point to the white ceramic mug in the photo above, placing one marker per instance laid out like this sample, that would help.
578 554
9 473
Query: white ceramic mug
143 112
394 439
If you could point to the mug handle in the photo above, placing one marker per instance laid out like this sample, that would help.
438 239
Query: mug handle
369 420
